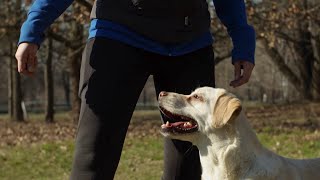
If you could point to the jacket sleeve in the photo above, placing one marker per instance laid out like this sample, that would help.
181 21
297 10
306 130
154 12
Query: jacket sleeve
232 13
40 16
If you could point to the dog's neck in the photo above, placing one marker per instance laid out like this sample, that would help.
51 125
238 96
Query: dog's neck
226 153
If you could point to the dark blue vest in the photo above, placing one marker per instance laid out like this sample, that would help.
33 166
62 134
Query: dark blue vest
165 21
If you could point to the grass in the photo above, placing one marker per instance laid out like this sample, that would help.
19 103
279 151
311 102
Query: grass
293 144
141 158
49 161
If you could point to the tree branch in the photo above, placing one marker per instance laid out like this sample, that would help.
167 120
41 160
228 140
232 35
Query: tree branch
289 38
65 41
283 67
86 4
219 59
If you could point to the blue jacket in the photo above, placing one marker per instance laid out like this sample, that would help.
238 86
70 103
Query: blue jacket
230 12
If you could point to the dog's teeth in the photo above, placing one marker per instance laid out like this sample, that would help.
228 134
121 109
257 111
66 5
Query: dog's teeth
167 124
187 124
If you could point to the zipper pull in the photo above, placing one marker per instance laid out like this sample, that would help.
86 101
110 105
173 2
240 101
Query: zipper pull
186 20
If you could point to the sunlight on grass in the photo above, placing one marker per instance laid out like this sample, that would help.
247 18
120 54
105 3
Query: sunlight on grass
142 158
50 161
295 144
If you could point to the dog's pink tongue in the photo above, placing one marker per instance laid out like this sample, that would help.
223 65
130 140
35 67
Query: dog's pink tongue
175 124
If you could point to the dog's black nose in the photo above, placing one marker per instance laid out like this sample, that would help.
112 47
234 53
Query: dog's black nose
163 93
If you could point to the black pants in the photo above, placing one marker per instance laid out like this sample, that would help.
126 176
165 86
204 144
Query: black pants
113 75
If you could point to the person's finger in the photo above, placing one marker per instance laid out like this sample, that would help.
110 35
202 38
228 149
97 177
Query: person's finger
28 65
237 73
247 70
241 81
31 64
247 73
237 82
35 63
21 60
25 56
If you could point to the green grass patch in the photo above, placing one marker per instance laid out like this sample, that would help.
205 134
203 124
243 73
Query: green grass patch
293 144
50 161
142 158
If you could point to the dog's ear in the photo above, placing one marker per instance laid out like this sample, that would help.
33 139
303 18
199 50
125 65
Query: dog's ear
227 108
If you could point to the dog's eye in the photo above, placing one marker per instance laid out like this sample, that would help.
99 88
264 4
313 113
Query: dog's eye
197 96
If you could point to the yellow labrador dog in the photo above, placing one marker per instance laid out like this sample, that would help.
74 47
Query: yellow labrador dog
213 120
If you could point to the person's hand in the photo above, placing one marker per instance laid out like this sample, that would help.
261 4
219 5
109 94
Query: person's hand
26 56
244 76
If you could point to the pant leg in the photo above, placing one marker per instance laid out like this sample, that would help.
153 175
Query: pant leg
112 77
183 75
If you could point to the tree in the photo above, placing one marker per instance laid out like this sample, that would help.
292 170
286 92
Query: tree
75 62
74 40
49 88
290 32
12 16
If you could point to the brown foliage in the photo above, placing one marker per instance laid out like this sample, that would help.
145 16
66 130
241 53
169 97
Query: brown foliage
290 32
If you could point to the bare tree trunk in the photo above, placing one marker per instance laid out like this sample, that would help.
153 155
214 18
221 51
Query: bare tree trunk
10 84
66 87
75 62
17 113
306 57
74 78
315 43
16 93
49 89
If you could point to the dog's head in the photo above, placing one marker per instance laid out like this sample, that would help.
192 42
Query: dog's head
201 113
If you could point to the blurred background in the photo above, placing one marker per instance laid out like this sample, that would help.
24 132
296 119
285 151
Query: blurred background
39 114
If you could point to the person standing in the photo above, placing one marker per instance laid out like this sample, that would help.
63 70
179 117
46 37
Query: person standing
129 40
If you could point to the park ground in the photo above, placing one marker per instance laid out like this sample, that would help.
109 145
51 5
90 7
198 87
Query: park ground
36 150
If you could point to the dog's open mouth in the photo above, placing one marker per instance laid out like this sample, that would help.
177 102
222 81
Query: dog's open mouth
182 124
